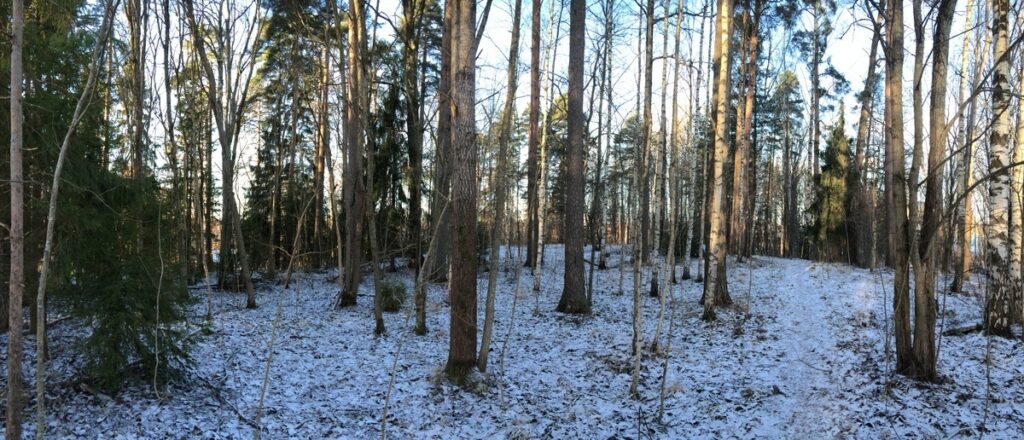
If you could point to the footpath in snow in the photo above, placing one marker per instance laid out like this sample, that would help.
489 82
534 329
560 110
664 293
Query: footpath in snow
800 355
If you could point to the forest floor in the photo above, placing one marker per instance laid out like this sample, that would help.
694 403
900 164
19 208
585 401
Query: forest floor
801 354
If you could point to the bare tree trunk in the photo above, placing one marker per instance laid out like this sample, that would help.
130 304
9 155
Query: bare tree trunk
860 212
670 256
413 10
742 197
227 123
574 296
16 282
931 228
136 11
355 186
462 287
51 217
815 92
438 270
896 192
917 155
997 307
644 148
554 29
965 224
1018 299
604 97
715 286
533 172
501 175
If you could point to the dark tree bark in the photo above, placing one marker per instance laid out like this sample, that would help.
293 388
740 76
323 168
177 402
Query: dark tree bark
574 296
413 10
532 168
16 281
860 218
644 148
462 286
355 186
440 218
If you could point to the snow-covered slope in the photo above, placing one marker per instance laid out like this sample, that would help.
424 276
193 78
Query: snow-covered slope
801 355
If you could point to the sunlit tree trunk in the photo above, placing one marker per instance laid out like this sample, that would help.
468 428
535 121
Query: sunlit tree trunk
997 307
931 227
965 220
716 291
896 192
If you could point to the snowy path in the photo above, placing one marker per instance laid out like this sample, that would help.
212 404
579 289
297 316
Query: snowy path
799 356
803 368
805 299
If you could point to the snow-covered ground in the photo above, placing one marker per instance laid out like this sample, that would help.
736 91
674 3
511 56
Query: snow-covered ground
801 355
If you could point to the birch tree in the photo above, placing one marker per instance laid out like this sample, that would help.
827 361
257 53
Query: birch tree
1001 287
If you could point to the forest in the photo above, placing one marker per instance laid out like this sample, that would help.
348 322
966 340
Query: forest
452 219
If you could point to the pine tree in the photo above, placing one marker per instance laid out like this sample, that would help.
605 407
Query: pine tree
462 287
829 207
574 298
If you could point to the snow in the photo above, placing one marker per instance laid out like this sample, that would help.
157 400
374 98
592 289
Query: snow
807 361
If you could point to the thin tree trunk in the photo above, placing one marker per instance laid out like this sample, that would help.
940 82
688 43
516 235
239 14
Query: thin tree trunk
815 92
136 11
16 282
227 122
501 185
413 10
670 256
533 140
966 221
51 218
860 212
644 148
438 270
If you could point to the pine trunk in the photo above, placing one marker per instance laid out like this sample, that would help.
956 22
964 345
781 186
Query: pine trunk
574 296
462 287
